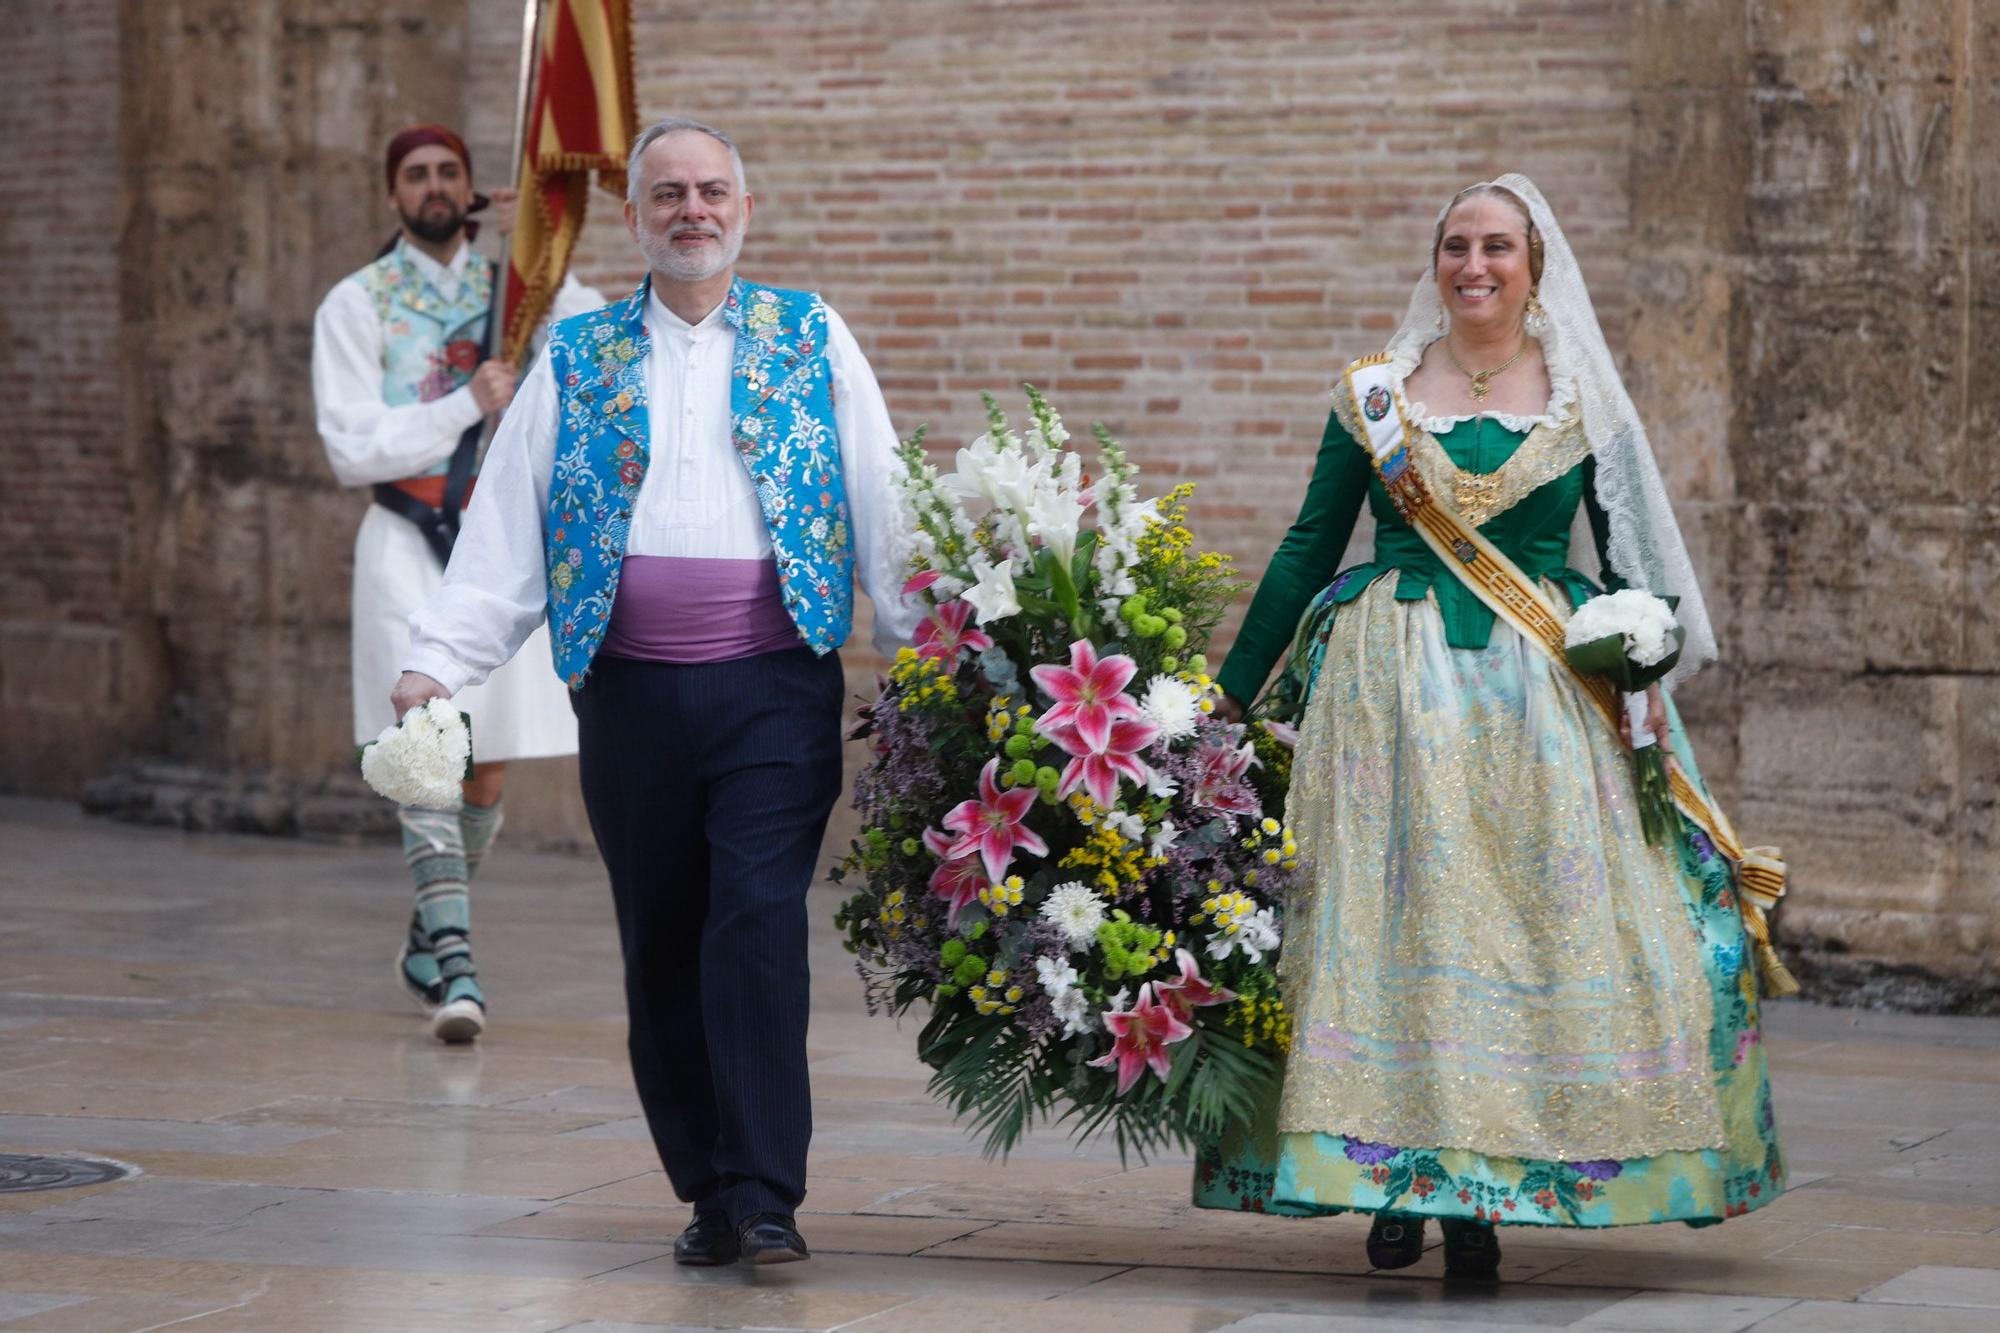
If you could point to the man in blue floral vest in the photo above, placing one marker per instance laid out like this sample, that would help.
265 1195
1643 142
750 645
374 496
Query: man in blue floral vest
686 487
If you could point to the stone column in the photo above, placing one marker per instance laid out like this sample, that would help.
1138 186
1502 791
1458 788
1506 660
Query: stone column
1813 246
249 134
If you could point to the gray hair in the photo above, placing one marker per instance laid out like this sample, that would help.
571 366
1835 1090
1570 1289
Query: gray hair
660 129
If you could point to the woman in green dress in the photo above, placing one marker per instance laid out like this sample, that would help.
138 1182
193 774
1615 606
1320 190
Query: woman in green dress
1508 1007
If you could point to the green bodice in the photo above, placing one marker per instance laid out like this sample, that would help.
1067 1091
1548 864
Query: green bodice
1534 532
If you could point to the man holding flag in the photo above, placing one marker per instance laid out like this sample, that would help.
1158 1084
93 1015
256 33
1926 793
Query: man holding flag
402 384
686 488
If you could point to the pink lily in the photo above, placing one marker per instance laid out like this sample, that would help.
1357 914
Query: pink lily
944 634
1087 693
1142 1035
1189 991
992 824
1097 770
918 582
957 880
1219 785
1284 734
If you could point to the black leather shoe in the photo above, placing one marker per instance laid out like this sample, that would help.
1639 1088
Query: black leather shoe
709 1242
1471 1250
1395 1242
770 1239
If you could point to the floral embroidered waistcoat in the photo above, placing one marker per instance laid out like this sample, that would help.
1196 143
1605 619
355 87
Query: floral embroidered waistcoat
430 345
781 423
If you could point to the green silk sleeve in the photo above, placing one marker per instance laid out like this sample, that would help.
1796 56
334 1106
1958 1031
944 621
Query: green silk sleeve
1305 561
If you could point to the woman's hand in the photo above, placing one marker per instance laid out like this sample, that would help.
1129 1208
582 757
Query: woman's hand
1656 717
1229 708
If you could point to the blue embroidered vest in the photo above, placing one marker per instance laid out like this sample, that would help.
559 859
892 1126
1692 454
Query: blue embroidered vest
781 422
430 345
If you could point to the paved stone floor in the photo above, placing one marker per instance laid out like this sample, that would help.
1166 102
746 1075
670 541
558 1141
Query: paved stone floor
219 1012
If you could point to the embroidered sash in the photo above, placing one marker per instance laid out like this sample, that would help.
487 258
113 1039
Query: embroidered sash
1516 599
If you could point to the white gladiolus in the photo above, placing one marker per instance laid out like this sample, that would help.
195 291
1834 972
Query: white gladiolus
421 760
1256 935
1073 1008
1053 517
1128 826
1005 477
1056 975
992 595
1645 622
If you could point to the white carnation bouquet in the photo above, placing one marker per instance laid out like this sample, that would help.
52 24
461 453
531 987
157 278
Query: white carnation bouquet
421 760
1632 638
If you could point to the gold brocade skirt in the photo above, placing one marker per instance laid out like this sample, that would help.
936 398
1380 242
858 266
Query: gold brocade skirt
1484 954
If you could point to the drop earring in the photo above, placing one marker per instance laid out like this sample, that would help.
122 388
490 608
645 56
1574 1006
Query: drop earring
1537 320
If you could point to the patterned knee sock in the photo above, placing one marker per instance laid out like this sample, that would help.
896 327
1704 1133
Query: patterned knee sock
479 824
434 847
420 969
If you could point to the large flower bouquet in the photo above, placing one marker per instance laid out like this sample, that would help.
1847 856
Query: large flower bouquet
1065 854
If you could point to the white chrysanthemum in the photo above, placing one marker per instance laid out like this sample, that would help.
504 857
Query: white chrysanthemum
421 760
1171 706
1644 621
1078 910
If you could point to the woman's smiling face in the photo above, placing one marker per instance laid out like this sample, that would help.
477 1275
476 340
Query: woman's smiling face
1483 268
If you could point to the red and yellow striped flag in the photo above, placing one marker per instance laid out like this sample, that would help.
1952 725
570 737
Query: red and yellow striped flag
582 120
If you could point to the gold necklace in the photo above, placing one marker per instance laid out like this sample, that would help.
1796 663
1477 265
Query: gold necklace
1482 380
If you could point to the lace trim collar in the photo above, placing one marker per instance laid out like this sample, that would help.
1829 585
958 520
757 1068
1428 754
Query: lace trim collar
1562 396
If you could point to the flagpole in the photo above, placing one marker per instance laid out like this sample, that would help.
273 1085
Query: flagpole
524 89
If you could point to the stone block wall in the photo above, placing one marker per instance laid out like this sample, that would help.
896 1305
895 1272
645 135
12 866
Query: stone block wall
1813 192
79 675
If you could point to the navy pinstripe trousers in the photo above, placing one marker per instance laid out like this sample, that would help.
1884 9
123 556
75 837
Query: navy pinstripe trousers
708 788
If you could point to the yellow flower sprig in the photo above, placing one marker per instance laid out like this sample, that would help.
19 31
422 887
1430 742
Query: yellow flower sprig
1119 864
921 681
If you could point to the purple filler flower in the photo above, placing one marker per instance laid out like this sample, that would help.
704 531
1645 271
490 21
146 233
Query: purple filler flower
1369 1154
1605 1170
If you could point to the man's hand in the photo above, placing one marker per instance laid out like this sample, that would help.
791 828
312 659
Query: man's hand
500 215
1229 708
493 386
413 690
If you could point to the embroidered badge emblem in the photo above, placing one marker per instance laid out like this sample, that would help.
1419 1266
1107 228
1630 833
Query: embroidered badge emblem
1376 405
1464 551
